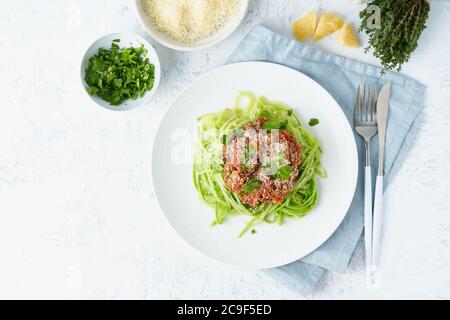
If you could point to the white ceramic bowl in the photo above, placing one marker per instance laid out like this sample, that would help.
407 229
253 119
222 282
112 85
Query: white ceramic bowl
126 40
165 40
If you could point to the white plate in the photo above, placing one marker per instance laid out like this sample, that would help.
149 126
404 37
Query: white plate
220 35
272 245
126 39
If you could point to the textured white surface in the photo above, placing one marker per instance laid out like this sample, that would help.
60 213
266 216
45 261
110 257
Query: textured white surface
78 214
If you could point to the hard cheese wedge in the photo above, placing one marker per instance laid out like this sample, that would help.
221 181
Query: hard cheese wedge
348 37
304 28
328 24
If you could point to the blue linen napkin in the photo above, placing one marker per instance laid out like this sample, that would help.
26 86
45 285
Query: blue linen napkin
340 77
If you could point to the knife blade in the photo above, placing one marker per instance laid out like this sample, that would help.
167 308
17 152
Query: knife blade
382 118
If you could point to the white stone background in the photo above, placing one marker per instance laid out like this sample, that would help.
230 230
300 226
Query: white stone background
78 214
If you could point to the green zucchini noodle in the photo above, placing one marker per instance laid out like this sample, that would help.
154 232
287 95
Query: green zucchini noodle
209 164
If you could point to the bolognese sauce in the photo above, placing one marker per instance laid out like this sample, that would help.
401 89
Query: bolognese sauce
261 166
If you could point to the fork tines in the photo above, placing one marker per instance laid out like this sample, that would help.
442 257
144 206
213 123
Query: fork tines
365 109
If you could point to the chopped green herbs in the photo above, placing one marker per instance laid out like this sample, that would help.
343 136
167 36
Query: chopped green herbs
275 124
249 153
313 122
271 165
116 74
284 173
226 138
251 185
253 231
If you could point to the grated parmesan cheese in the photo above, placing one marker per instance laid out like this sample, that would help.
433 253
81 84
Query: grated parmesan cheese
189 20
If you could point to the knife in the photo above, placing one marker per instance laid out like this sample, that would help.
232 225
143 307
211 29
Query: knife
382 118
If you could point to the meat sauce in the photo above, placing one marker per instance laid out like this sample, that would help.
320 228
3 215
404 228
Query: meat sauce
254 154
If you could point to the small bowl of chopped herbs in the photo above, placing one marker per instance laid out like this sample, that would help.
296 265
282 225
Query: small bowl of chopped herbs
121 71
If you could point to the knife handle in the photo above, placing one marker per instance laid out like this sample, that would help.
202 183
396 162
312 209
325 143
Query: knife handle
368 218
377 222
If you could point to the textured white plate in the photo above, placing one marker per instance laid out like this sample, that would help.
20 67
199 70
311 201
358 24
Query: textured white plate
272 245
126 39
220 35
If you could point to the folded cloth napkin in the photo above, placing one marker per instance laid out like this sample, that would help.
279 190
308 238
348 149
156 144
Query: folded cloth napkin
339 76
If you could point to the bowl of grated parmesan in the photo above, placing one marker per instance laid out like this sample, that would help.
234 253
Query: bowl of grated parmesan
189 25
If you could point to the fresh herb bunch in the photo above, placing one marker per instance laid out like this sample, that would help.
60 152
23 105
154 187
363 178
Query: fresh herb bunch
116 74
402 23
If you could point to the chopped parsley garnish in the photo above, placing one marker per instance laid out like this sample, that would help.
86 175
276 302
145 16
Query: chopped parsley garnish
271 165
274 124
313 122
274 121
253 231
226 138
251 186
116 74
284 173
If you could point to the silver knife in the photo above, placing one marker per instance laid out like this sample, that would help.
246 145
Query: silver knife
382 118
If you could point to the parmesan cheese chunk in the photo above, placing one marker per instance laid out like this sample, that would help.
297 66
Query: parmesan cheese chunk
304 28
328 24
348 37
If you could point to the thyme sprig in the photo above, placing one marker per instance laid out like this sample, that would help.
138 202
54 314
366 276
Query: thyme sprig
401 24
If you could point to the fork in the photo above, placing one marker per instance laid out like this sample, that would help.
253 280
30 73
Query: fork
365 122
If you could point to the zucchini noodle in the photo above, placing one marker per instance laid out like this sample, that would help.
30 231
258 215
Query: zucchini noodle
209 165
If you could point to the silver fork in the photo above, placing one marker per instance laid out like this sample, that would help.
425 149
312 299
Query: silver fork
365 122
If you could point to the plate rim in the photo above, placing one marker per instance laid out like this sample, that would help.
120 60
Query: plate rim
218 69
